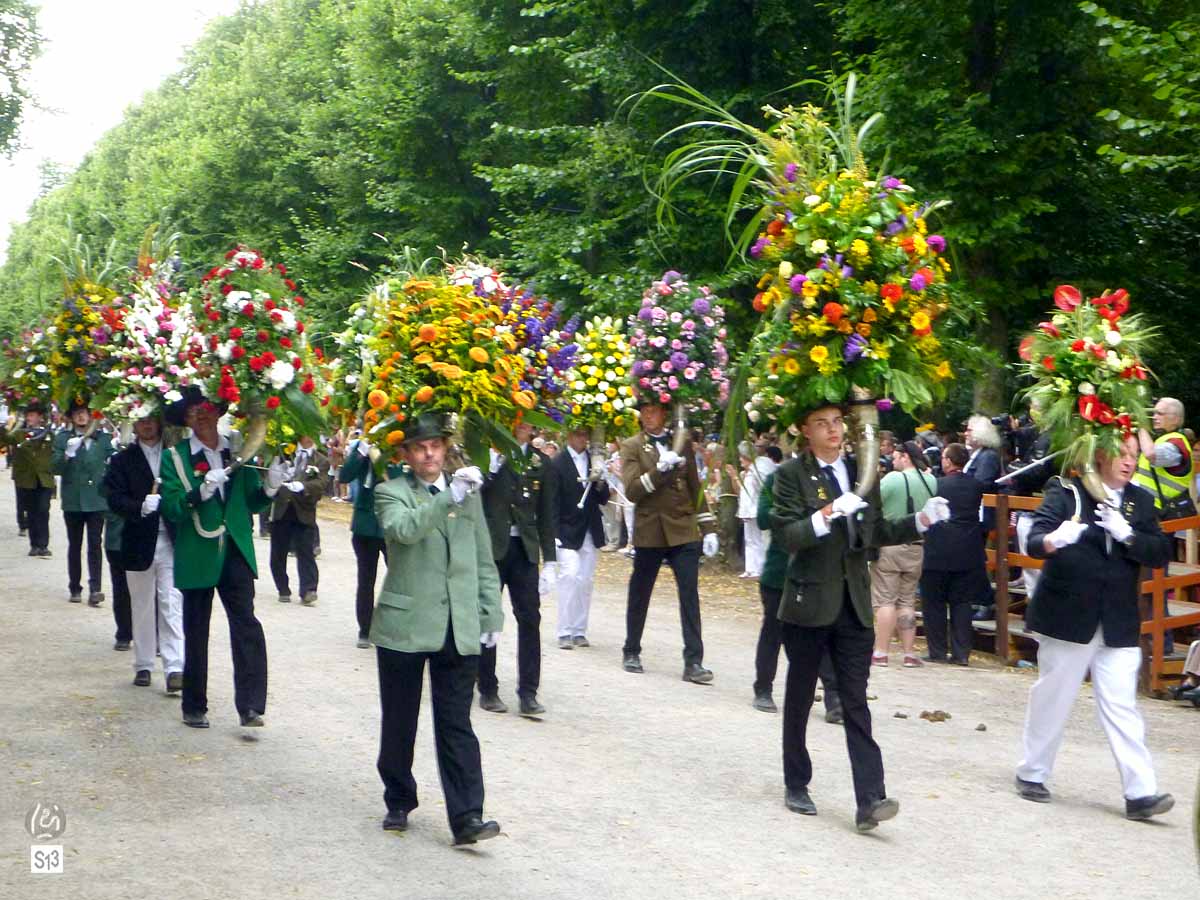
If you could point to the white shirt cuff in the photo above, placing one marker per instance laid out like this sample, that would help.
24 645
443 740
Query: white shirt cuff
819 525
921 529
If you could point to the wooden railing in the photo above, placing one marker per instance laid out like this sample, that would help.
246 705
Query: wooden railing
1154 588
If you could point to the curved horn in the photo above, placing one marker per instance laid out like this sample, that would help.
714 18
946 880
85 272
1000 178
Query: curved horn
680 436
596 447
865 417
254 437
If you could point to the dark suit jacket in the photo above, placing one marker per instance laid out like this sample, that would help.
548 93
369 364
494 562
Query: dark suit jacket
986 469
822 569
670 508
574 523
527 501
30 458
314 478
126 484
956 545
1087 584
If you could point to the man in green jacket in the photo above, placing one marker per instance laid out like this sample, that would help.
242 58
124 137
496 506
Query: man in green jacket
31 448
826 604
209 508
365 534
81 461
440 601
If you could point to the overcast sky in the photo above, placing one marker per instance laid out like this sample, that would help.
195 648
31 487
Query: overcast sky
99 57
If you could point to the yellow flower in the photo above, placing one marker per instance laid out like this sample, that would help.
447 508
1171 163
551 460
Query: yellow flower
879 350
921 227
792 367
919 245
860 249
822 208
828 367
819 354
810 289
920 321
943 370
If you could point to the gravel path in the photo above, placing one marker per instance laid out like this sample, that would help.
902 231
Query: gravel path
631 787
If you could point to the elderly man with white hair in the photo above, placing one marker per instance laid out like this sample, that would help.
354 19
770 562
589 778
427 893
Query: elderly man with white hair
985 466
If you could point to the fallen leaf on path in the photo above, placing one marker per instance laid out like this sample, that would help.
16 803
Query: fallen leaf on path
900 715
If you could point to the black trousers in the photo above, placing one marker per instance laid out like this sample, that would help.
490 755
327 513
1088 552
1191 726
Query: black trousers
684 560
956 591
520 575
122 612
766 656
35 503
289 533
849 646
451 681
77 523
246 639
22 512
367 551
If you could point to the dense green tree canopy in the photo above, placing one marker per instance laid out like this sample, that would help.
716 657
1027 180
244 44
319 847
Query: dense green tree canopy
19 44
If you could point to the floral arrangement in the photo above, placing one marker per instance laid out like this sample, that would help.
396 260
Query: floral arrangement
600 393
677 338
26 367
256 355
351 370
81 337
1090 383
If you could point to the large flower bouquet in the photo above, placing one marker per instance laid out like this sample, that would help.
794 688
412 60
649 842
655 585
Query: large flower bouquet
26 367
1090 383
256 355
82 335
677 337
599 393
351 370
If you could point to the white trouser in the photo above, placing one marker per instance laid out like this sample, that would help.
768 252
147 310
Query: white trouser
1062 666
756 547
612 524
155 602
576 575
627 511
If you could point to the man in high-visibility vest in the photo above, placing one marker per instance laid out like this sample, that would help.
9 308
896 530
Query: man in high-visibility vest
1165 466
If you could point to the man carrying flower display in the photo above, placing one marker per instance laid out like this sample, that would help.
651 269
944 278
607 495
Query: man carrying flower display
294 520
31 448
521 509
826 603
211 506
670 515
439 603
80 460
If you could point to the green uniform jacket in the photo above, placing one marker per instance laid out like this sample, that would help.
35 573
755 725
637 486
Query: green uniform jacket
529 501
30 458
82 473
440 570
822 568
199 559
775 565
358 468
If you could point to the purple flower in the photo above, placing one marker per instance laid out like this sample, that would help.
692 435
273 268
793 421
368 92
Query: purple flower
671 276
789 171
646 313
679 360
883 404
847 272
759 246
856 344
891 183
917 282
797 283
936 243
700 306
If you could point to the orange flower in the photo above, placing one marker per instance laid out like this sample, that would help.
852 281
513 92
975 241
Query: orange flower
427 332
452 372
423 395
844 326
524 399
423 359
377 399
864 329
478 354
869 315
394 408
395 437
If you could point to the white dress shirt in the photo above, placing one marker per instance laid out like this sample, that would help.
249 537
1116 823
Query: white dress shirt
215 461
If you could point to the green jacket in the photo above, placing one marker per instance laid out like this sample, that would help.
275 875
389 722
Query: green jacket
82 473
358 468
528 501
440 570
30 458
775 565
822 569
200 557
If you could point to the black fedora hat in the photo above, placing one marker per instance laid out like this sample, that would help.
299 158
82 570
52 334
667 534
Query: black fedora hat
176 413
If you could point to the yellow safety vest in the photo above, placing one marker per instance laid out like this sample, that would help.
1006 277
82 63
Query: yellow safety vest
1168 486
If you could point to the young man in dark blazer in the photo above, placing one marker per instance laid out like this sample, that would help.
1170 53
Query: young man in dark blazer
582 493
80 459
31 449
1085 613
294 520
826 603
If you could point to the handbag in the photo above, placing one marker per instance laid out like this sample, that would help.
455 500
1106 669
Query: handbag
1180 507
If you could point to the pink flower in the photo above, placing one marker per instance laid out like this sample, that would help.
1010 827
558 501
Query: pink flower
663 289
676 317
689 373
644 382
133 370
689 325
147 370
716 374
721 333
677 344
664 397
666 367
673 383
709 322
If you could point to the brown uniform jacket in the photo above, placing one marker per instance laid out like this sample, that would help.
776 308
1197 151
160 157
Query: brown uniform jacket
305 502
670 507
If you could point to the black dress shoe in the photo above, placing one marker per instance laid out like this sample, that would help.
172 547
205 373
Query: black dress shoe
764 702
195 720
251 719
77 598
934 659
869 817
798 801
632 663
835 716
1033 790
142 678
121 645
174 682
474 829
45 552
395 820
492 703
697 674
530 708
35 551
1143 808
95 598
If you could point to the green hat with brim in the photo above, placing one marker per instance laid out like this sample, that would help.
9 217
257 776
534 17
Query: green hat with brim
427 426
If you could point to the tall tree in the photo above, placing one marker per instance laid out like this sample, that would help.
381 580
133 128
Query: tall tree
20 43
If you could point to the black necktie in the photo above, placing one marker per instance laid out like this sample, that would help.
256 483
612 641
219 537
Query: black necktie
833 480
434 489
660 439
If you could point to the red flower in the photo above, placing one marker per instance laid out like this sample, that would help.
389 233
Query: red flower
276 315
299 300
297 363
281 268
1050 328
1120 301
774 226
214 316
908 245
1048 362
891 292
832 312
212 341
299 328
231 253
258 263
269 305
239 352
285 342
262 336
235 332
272 403
226 288
1025 348
319 354
256 363
268 357
324 401
248 309
202 466
1078 345
291 285
308 385
1088 406
1067 297
1105 416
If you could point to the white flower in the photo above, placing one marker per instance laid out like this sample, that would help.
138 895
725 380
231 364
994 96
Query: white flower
1113 361
1113 338
287 320
280 373
237 297
820 245
618 403
351 379
812 199
225 351
172 395
785 270
1087 388
754 415
40 369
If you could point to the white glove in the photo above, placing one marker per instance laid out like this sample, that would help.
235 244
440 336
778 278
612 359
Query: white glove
497 462
1114 523
363 448
848 504
466 480
73 445
212 481
1066 534
276 475
488 639
711 545
150 504
296 487
668 459
936 509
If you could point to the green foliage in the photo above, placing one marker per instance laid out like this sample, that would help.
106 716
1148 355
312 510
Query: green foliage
20 43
